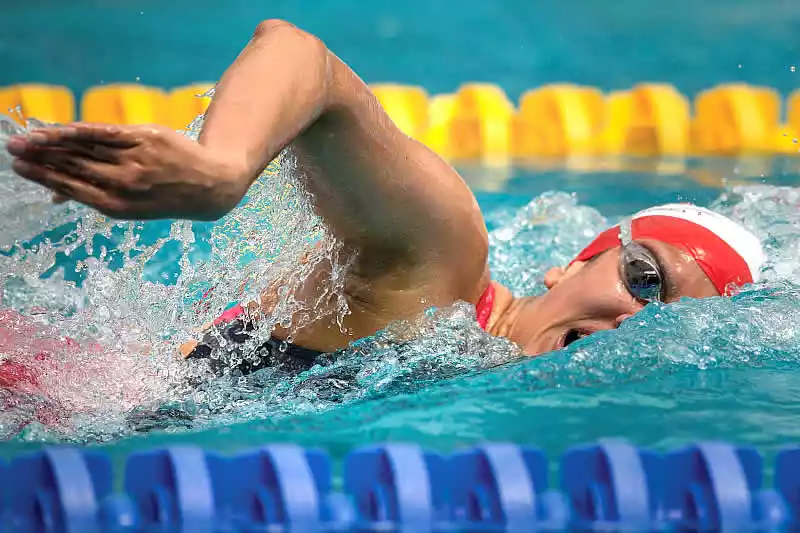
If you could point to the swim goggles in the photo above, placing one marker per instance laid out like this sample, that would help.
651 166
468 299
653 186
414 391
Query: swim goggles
641 273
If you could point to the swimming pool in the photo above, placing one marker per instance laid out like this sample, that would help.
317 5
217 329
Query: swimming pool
721 370
696 370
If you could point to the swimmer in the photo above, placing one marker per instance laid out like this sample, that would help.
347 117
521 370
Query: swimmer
420 237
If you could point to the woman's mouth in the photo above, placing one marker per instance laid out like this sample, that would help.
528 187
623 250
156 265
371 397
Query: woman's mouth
570 336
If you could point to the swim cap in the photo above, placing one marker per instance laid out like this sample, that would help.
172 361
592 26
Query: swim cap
729 254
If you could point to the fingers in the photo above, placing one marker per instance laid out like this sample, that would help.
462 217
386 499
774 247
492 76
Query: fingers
102 142
79 168
81 132
98 152
25 148
63 185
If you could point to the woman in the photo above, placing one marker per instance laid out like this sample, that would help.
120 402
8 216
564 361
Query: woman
418 232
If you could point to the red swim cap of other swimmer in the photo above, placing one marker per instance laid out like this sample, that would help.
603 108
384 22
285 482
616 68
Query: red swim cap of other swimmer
729 254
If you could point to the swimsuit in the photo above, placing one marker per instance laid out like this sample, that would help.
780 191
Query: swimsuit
225 339
231 329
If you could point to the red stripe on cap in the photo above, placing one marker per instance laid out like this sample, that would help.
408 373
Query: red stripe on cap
605 241
720 262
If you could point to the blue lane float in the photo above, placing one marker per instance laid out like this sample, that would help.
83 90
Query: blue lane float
59 489
503 487
716 487
397 487
180 489
613 485
285 487
401 488
787 482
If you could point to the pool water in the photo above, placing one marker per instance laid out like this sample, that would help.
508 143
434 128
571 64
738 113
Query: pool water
710 369
516 44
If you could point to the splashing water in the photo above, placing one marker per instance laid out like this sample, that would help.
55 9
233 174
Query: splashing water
549 231
717 368
95 307
455 385
692 370
92 306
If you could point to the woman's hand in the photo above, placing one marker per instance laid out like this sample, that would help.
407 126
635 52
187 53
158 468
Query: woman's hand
130 172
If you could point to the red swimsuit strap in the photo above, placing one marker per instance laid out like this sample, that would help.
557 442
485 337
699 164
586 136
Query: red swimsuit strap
230 314
484 306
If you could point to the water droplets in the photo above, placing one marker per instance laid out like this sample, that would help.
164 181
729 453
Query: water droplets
107 312
626 231
549 231
129 293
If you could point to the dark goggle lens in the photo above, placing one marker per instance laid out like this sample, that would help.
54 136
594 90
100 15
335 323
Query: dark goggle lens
641 274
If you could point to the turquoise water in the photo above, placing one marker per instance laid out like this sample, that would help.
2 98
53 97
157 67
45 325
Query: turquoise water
712 369
695 370
438 44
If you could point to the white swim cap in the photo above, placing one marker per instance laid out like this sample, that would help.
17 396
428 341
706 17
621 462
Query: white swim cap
728 253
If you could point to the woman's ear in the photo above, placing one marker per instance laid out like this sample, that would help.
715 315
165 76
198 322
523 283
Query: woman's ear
556 275
553 276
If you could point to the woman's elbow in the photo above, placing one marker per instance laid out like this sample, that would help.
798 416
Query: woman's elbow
303 45
268 29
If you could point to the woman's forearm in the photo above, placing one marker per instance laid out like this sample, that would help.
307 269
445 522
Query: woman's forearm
276 88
